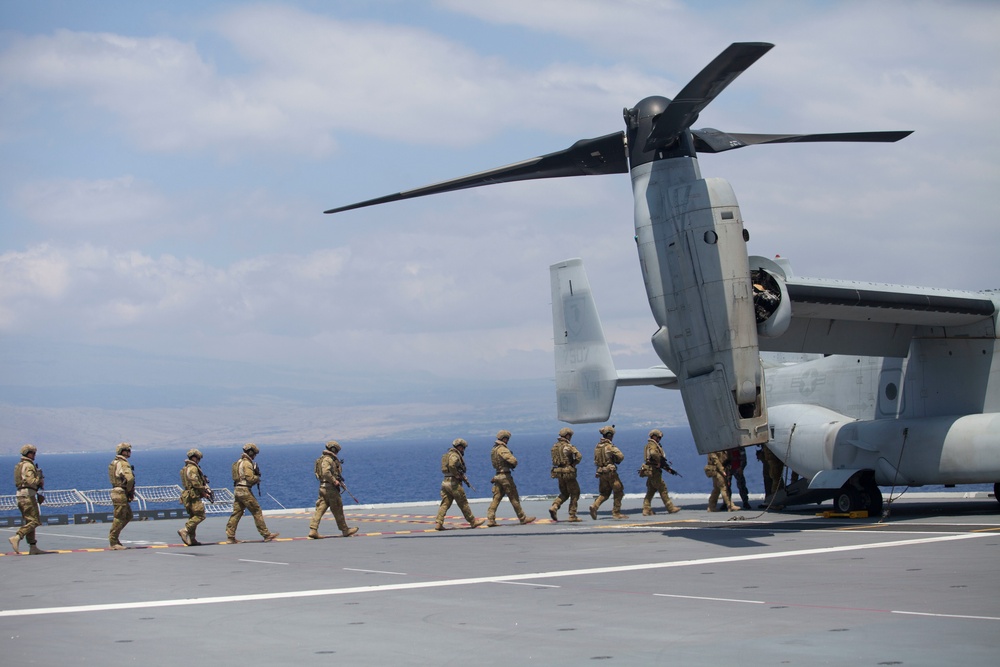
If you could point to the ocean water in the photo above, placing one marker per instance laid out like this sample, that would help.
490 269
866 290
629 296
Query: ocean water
381 471
390 471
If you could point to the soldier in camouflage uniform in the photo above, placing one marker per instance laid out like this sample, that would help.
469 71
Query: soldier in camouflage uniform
715 470
329 471
245 475
503 482
122 477
655 464
196 487
453 469
606 460
29 481
565 458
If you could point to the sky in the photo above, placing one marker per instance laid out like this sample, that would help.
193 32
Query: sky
167 274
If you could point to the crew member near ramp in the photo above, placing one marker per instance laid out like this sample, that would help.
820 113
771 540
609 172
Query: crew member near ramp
453 469
565 458
737 466
606 460
652 470
121 473
196 487
29 481
503 482
715 469
329 471
245 475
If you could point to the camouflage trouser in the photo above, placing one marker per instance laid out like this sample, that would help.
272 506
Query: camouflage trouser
30 512
656 486
775 468
608 486
196 514
329 497
503 485
719 488
452 491
569 489
123 514
244 499
741 484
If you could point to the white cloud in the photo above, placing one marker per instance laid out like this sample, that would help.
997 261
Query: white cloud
80 204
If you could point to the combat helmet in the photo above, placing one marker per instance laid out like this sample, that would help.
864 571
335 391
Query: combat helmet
566 432
503 435
251 449
607 431
194 454
123 447
28 449
656 433
459 442
333 446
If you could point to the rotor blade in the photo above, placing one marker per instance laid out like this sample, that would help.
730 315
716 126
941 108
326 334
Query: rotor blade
587 157
710 140
683 110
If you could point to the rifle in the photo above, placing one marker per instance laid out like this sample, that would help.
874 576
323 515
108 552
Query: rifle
465 479
256 471
666 466
340 480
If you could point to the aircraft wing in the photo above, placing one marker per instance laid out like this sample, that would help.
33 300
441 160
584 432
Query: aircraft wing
872 319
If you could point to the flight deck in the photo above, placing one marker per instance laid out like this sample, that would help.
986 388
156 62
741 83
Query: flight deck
919 587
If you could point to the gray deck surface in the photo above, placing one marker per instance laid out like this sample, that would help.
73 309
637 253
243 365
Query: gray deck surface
693 588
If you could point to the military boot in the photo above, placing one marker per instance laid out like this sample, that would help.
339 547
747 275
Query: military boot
439 526
648 511
348 532
526 520
552 513
617 515
593 513
491 523
231 539
574 518
477 523
15 541
185 538
673 509
314 534
118 546
270 537
35 551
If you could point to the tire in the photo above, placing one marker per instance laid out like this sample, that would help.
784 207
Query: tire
846 501
872 498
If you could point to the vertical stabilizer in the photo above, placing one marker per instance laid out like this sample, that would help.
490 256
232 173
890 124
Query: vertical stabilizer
585 374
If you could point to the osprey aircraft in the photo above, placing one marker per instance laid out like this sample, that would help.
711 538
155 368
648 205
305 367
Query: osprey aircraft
902 387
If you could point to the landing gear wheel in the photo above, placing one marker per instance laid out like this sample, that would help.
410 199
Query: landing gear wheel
871 498
846 500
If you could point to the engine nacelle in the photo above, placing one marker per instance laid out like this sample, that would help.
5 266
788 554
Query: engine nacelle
692 249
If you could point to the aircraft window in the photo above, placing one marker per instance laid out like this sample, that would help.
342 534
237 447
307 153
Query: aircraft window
891 391
711 237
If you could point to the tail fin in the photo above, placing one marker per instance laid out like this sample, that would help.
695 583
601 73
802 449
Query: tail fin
585 374
586 378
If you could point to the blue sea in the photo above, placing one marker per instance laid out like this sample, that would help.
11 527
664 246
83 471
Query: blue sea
388 471
381 471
